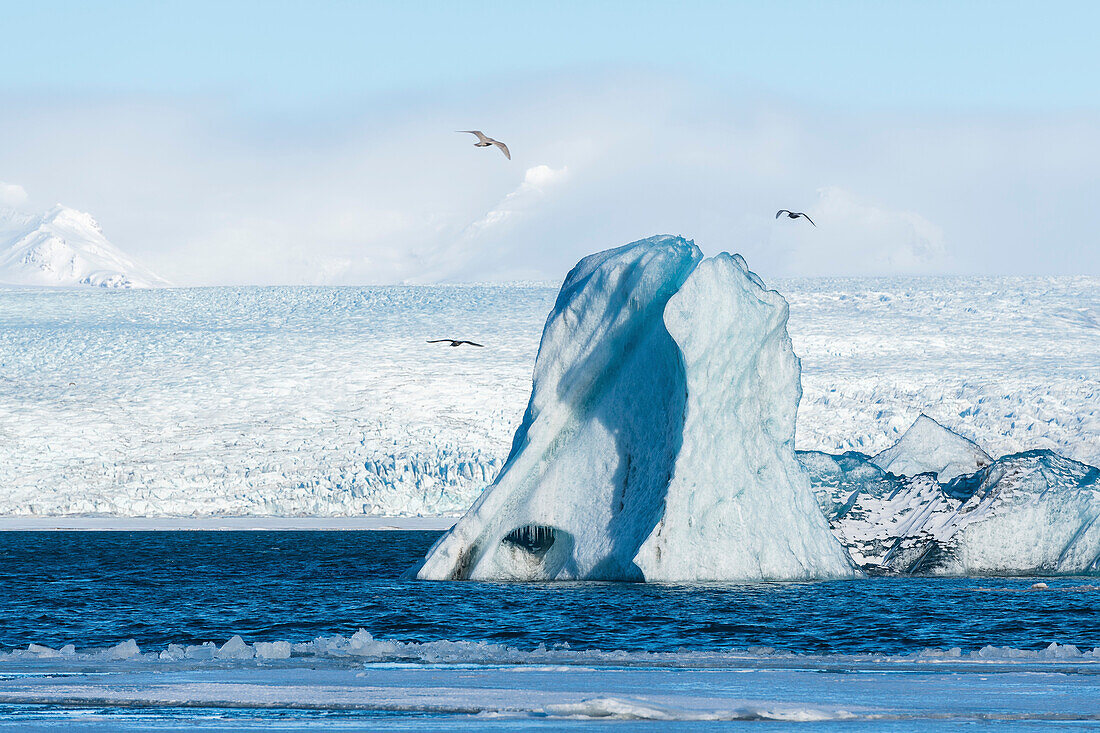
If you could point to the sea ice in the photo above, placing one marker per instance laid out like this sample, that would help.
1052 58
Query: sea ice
479 686
658 441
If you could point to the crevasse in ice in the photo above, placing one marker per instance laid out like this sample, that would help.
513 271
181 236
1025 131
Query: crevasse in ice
658 443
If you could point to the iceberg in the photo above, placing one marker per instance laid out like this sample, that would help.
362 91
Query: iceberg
1029 513
658 442
928 447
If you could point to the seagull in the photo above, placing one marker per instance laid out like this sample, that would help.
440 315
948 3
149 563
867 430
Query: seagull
794 215
484 141
454 342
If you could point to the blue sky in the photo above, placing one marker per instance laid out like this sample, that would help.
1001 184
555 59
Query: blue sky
285 141
1022 56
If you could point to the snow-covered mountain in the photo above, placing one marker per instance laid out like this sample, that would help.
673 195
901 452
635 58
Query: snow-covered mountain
64 247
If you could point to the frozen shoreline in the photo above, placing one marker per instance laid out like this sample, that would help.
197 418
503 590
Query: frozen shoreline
208 524
445 685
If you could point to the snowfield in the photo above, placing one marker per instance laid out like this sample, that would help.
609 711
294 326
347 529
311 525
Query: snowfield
327 401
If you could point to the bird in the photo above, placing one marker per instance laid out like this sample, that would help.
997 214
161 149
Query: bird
484 141
794 215
454 342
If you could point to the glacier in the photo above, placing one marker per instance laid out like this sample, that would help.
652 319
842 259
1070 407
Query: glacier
65 247
325 402
658 443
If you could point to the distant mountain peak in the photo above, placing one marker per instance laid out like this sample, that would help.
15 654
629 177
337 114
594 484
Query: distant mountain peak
63 246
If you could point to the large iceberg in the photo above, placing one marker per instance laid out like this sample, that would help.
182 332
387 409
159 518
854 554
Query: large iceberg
658 443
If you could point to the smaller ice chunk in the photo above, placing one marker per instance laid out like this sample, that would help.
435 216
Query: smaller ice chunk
929 447
207 650
236 648
126 650
272 649
173 653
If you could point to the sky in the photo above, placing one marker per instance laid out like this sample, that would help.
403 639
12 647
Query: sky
314 143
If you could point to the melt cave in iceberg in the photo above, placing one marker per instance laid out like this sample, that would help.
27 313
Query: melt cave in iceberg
658 443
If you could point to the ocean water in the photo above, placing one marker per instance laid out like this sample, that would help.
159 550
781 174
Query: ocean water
332 637
96 589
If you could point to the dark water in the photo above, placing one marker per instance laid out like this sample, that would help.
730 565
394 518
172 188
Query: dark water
95 589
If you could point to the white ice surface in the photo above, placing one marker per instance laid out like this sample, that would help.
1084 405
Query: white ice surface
738 506
326 401
64 247
477 684
928 447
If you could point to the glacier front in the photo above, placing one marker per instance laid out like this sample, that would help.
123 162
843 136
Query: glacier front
658 443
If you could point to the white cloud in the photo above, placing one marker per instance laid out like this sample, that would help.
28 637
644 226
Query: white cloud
536 182
388 192
12 195
855 236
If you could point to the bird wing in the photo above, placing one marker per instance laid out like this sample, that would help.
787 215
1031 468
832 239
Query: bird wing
480 135
781 211
471 343
808 219
503 148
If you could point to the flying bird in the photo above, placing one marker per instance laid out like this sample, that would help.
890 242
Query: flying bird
454 342
484 141
794 215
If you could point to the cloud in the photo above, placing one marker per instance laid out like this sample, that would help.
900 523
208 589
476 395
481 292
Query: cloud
384 191
536 182
12 195
855 236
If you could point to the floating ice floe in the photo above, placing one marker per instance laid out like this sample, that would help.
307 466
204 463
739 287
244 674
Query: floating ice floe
1028 513
658 443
